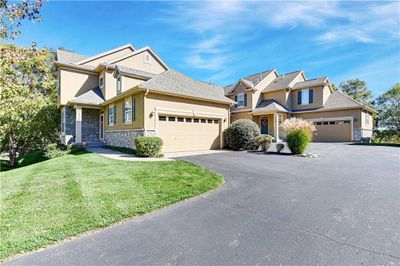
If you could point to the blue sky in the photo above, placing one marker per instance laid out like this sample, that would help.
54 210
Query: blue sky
223 41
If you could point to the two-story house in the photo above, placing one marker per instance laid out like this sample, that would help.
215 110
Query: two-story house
123 93
268 99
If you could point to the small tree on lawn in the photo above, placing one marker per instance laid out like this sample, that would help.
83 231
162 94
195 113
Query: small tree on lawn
29 117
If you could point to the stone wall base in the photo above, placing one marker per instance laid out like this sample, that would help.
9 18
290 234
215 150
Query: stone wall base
125 138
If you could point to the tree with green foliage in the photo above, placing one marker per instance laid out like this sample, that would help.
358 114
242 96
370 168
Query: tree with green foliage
334 87
29 118
358 90
13 13
388 106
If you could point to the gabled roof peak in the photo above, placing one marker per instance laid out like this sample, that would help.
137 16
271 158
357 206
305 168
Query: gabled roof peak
107 52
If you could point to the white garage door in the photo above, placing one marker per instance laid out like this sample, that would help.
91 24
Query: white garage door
334 130
188 134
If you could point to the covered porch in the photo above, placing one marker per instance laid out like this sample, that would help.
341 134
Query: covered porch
269 115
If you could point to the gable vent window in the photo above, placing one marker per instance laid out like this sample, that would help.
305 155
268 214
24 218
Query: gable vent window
305 97
119 84
101 81
147 58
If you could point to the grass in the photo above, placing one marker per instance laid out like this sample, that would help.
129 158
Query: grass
121 149
28 159
52 200
378 144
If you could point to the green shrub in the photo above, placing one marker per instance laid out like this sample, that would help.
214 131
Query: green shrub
264 142
241 135
297 140
386 136
148 146
53 151
280 147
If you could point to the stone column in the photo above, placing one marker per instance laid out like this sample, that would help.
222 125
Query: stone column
78 124
276 127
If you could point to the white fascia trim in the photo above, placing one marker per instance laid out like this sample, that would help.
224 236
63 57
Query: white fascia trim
272 72
141 50
291 83
241 110
106 53
330 118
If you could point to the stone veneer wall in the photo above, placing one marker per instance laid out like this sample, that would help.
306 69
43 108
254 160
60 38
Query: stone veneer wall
122 138
90 125
69 120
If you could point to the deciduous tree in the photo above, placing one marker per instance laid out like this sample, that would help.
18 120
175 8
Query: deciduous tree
388 106
358 90
29 118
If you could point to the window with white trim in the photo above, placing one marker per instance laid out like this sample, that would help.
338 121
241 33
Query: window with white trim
128 111
111 115
304 96
240 100
367 119
119 84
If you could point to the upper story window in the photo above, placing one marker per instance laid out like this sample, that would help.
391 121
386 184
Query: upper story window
241 100
367 118
101 81
147 58
305 96
111 115
119 84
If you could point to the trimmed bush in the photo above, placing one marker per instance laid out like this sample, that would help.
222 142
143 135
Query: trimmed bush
264 142
148 146
280 147
242 134
297 140
53 150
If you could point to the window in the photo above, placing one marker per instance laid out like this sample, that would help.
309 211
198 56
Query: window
367 119
147 58
196 120
188 120
119 84
319 123
111 115
203 120
347 122
280 119
63 120
209 121
216 121
171 118
332 123
101 81
241 100
326 123
162 118
181 119
128 111
305 96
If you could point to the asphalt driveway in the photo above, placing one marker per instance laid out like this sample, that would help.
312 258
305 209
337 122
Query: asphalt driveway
340 208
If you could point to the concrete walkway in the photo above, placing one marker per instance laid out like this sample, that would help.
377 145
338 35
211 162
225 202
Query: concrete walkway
116 155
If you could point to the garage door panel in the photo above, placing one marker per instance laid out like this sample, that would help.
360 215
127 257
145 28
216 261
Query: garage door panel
332 131
187 136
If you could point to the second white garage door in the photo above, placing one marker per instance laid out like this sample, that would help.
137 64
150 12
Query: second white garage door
188 134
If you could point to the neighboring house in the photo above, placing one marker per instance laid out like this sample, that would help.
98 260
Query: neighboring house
123 93
268 99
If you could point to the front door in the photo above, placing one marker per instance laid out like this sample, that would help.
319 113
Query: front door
264 125
101 133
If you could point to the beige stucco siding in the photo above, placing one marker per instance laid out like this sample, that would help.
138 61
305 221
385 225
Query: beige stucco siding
366 120
240 115
74 83
120 125
137 62
109 57
281 96
110 84
256 97
321 93
241 88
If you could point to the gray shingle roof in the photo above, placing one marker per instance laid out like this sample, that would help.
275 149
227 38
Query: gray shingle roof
94 96
310 83
270 105
336 100
174 82
135 72
68 57
251 80
282 82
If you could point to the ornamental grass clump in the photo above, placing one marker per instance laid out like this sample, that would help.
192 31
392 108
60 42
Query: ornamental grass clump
299 134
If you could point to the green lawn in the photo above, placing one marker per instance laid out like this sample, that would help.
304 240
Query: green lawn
121 149
51 200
